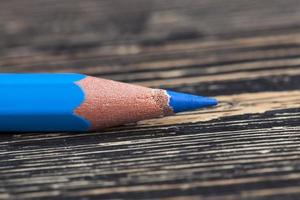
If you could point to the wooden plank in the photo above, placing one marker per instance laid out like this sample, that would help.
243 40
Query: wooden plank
244 53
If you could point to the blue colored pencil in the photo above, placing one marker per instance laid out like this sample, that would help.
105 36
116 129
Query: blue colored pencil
79 103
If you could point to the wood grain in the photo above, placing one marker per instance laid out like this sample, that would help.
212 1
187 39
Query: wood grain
246 53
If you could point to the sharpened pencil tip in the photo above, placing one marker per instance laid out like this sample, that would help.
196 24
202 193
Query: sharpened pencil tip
181 102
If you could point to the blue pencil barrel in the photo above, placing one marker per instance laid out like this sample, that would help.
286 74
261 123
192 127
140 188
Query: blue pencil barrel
41 102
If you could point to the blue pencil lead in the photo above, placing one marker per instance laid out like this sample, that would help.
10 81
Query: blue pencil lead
181 102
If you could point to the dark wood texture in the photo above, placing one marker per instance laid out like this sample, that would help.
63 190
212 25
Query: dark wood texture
246 53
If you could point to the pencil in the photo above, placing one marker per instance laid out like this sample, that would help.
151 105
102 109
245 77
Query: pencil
80 103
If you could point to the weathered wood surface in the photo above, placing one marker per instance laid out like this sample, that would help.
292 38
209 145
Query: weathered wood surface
244 52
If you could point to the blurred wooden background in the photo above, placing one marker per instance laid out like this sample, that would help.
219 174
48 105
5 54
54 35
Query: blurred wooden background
246 53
